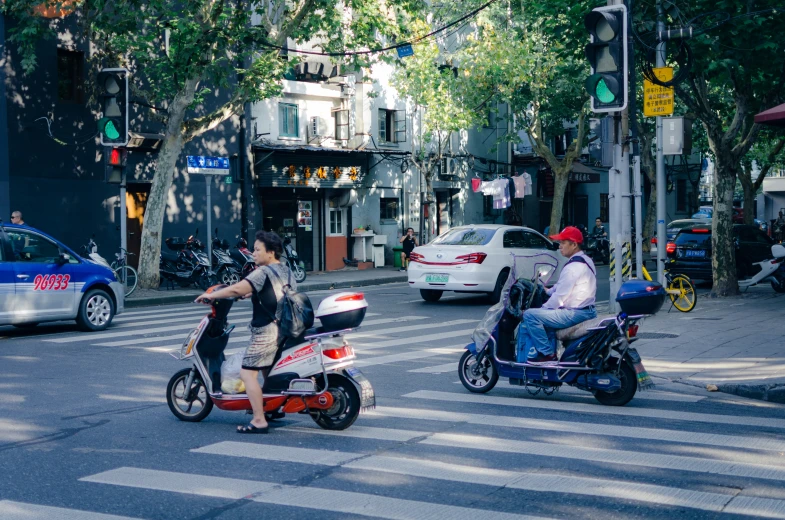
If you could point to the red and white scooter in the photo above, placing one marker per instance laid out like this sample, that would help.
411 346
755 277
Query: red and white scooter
313 375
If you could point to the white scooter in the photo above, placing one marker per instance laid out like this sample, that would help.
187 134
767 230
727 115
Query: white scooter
772 270
313 375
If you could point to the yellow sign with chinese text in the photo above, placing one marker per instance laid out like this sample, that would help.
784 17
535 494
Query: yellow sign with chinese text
658 100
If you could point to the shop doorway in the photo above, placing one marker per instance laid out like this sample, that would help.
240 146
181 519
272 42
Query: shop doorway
299 220
581 210
136 196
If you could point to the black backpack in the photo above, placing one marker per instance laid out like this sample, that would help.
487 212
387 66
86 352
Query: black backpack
296 311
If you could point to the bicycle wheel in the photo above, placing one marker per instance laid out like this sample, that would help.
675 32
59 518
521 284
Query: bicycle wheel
126 275
687 298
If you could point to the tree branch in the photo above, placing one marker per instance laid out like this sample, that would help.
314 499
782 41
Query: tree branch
769 163
199 125
304 9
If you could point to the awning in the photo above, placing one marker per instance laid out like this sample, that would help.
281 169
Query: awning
772 117
581 173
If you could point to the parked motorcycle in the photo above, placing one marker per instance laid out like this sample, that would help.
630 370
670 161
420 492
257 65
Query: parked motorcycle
771 270
188 265
598 248
310 375
243 257
597 356
293 261
226 269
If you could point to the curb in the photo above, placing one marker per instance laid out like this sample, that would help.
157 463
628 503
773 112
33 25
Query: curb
316 286
773 393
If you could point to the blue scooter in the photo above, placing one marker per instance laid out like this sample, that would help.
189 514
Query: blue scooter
597 355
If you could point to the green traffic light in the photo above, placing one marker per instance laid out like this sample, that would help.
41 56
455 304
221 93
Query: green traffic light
110 131
603 93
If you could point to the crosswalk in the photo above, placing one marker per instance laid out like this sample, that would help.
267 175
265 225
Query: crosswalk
432 450
417 337
464 442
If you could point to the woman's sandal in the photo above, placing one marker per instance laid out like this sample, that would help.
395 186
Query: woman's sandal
250 428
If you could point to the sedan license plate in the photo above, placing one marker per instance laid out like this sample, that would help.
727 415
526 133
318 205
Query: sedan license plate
437 278
695 253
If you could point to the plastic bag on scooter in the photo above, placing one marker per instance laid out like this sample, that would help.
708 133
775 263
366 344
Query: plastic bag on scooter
230 375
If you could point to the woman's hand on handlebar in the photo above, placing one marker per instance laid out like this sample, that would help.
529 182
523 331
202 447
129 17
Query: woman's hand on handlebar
204 298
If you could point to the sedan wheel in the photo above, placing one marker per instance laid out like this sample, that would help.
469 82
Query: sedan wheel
95 311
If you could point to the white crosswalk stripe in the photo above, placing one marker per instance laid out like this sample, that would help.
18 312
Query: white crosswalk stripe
10 510
432 469
296 496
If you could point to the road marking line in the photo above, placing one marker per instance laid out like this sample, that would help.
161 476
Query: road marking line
407 356
317 498
583 453
234 339
420 339
562 406
744 442
10 510
438 369
192 319
529 481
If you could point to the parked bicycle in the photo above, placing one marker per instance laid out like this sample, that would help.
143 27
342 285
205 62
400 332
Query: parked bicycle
125 274
680 290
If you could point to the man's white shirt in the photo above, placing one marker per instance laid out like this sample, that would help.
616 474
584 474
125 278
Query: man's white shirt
576 287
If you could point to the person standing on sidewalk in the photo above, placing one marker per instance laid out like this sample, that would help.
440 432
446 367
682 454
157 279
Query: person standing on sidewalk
409 242
571 302
16 218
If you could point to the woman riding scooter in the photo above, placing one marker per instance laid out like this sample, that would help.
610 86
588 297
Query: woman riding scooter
265 284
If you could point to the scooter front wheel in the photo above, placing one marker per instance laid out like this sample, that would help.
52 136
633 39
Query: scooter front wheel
299 273
477 377
190 405
345 408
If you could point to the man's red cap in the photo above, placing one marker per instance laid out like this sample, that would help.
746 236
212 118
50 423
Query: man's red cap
569 233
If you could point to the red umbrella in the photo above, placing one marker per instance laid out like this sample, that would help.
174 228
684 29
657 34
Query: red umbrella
773 116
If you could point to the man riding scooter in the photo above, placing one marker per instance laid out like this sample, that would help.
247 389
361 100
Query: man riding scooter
571 302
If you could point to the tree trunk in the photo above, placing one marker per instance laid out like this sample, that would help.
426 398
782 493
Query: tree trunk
560 179
722 241
651 218
149 255
748 201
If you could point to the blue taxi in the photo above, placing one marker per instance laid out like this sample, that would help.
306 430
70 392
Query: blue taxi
42 279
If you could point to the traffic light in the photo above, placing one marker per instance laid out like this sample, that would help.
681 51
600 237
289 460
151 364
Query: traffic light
113 91
115 159
607 54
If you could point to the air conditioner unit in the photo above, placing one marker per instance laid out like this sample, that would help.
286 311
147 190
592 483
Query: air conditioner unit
315 127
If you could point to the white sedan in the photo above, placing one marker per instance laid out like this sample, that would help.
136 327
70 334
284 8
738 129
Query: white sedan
478 259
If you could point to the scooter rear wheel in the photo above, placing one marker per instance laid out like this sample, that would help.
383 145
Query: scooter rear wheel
182 403
622 396
345 408
477 378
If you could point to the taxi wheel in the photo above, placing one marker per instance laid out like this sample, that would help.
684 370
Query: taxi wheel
95 311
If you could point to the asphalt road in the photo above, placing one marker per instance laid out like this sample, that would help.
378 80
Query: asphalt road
85 432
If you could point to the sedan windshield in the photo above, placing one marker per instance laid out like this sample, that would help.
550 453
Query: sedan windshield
465 237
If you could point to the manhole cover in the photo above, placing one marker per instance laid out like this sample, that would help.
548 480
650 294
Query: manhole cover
656 335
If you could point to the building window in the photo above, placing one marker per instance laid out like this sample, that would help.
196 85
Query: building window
681 195
69 76
604 207
388 209
337 219
341 125
392 126
289 120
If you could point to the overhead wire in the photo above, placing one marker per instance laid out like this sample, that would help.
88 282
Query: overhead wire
389 47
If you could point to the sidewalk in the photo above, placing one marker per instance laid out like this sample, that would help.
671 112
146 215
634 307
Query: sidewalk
316 281
736 344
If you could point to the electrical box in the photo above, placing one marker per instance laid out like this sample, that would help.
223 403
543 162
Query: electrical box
676 136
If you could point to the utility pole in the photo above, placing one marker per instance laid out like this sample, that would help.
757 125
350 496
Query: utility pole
662 240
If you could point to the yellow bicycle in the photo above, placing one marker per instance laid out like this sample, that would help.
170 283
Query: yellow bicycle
680 290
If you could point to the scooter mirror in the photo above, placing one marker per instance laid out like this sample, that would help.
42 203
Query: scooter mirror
778 251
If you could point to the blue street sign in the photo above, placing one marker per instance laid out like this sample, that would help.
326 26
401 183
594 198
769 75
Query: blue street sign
405 50
207 165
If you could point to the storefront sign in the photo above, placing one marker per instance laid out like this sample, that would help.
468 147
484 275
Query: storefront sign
319 176
585 178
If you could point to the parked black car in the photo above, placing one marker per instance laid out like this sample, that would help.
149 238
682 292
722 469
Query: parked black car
692 253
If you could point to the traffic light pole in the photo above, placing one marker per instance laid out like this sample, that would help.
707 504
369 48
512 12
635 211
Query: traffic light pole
208 182
123 218
662 240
